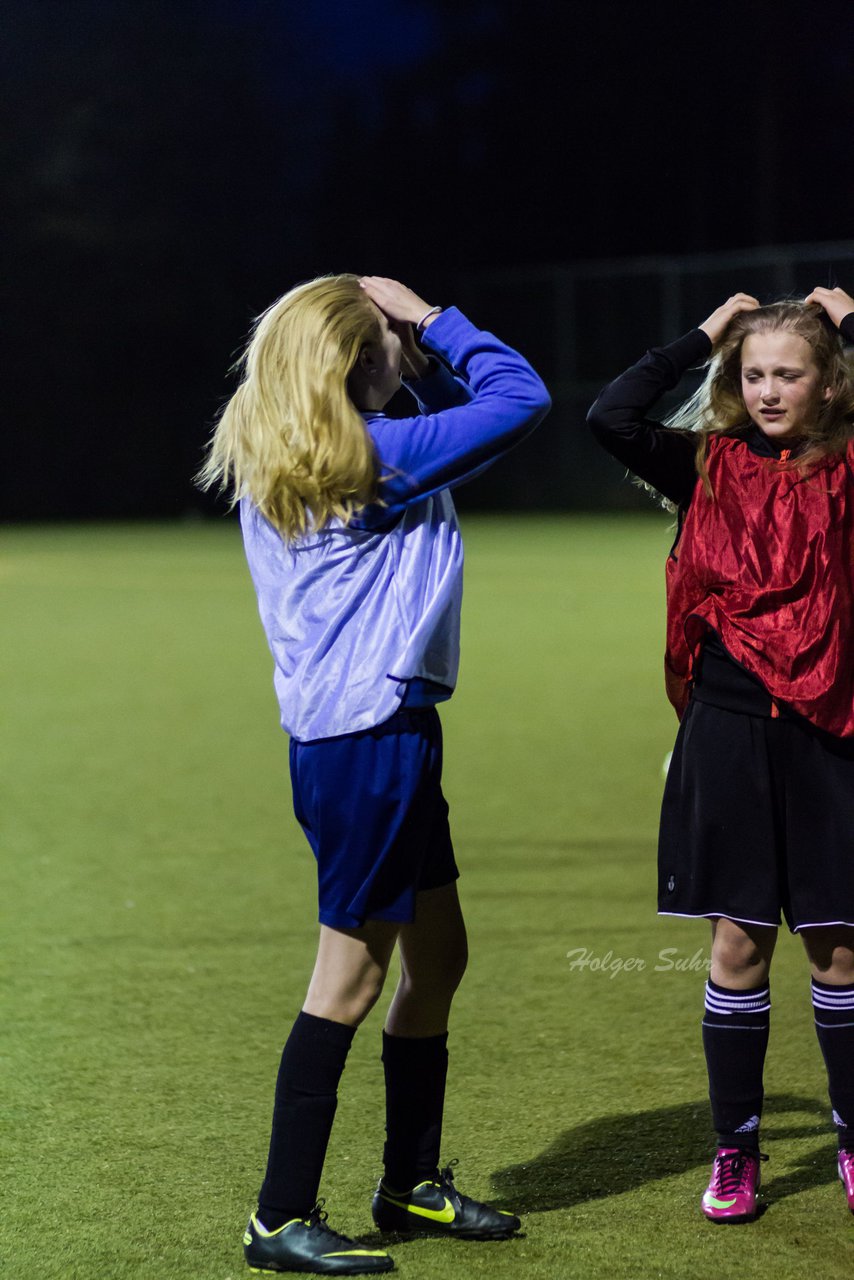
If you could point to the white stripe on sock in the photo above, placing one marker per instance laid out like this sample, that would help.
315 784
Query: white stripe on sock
827 998
738 1002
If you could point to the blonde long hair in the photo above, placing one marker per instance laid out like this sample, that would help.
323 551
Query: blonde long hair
717 407
290 438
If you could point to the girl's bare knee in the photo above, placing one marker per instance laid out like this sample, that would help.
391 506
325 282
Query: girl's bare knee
350 1004
739 956
831 953
454 966
443 975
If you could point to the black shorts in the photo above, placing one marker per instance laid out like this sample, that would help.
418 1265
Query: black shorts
757 818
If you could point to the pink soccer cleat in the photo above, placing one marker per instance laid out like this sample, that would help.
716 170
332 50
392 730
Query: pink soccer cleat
731 1194
846 1173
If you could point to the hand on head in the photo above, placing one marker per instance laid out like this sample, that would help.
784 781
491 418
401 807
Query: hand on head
395 300
836 302
718 322
402 309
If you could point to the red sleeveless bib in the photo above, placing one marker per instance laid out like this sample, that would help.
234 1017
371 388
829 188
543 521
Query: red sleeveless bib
767 564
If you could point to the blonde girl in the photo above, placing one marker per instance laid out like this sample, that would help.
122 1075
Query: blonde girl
355 552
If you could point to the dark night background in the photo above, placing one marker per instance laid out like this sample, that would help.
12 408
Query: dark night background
171 167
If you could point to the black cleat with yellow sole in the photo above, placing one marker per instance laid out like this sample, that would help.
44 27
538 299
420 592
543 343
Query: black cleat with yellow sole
436 1207
309 1245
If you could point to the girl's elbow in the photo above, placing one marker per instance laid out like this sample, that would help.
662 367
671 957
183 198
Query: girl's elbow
540 401
597 421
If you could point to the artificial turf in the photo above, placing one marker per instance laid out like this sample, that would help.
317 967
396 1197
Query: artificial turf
158 927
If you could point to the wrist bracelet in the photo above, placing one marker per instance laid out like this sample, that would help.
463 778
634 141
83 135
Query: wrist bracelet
434 311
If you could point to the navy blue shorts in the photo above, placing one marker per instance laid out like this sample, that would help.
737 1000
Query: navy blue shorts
371 805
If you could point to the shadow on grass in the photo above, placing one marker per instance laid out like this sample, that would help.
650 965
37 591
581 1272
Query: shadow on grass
618 1153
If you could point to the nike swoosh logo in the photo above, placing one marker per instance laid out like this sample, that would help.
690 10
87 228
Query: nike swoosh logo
357 1253
447 1214
719 1204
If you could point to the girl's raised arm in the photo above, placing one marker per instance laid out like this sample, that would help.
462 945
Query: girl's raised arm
436 450
662 458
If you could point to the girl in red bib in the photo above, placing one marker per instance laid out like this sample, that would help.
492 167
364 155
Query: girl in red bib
758 809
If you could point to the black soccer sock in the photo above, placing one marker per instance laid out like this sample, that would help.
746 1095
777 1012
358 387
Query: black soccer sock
306 1097
735 1038
415 1074
834 1026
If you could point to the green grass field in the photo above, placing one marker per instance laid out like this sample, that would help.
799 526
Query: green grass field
158 927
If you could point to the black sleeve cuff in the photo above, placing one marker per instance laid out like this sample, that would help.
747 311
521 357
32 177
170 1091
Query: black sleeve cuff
691 349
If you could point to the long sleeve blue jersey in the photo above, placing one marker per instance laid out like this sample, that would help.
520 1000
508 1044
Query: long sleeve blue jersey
354 613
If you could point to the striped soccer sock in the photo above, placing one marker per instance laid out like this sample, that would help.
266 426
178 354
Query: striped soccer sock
735 1038
834 1026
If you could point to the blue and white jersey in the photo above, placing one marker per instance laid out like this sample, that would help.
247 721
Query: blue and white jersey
354 613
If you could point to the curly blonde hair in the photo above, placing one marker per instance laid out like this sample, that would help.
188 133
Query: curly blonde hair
290 438
717 407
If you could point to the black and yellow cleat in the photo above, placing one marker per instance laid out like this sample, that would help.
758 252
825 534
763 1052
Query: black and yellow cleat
309 1245
436 1207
